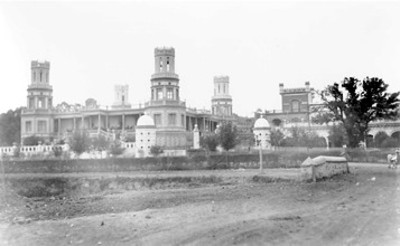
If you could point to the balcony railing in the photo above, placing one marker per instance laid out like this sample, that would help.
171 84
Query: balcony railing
165 102
164 75
36 110
40 86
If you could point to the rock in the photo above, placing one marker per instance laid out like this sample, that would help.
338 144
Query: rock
148 217
21 220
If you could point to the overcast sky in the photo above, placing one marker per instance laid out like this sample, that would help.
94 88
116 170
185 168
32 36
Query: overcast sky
94 45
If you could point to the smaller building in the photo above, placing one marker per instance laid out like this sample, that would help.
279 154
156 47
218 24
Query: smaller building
262 133
145 135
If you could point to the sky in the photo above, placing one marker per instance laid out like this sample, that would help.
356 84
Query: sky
92 46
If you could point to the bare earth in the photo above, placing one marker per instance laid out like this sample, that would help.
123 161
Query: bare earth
356 209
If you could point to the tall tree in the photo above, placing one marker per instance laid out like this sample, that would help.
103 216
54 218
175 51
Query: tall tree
10 127
228 135
355 104
79 142
277 137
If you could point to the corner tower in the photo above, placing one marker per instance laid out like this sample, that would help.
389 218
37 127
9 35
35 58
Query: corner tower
36 119
165 106
221 101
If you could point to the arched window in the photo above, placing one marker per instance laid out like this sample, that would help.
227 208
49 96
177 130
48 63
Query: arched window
167 64
40 76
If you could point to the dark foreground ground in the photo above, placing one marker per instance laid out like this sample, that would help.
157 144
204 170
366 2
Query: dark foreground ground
361 208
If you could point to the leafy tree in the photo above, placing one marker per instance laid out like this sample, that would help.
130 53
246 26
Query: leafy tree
355 104
228 136
10 127
210 142
337 135
277 137
79 142
100 143
33 140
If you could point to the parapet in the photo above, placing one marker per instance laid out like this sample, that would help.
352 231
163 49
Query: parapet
164 51
221 79
42 64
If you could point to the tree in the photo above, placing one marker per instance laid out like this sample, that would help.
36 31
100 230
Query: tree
10 127
228 136
100 143
79 142
210 142
277 137
355 104
337 135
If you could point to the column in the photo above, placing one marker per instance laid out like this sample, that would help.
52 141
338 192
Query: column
74 124
98 123
204 124
59 127
83 122
107 122
123 122
90 122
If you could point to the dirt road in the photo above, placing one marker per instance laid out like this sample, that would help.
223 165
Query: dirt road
356 209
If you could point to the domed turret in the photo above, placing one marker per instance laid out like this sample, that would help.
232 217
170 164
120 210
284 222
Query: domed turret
145 121
261 123
145 135
262 133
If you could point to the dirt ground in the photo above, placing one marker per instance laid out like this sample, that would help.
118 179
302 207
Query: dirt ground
361 208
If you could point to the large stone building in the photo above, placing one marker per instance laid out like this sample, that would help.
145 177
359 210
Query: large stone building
173 119
297 106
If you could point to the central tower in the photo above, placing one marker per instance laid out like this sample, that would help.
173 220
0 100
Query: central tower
165 106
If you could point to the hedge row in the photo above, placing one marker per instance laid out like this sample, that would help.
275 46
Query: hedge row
199 161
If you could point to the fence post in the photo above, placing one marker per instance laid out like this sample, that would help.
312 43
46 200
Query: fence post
3 177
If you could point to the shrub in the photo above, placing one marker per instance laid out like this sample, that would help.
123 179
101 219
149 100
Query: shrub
116 148
209 142
156 150
32 140
100 143
79 142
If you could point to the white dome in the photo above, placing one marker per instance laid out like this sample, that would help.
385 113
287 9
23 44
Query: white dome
261 123
145 120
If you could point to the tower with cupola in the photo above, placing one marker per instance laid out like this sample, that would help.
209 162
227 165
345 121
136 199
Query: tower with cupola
222 100
165 106
36 119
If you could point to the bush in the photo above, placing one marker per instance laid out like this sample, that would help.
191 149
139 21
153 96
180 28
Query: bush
116 148
156 150
57 151
209 142
100 143
390 143
32 140
79 142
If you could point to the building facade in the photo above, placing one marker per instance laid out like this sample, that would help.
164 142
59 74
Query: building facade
174 121
297 105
